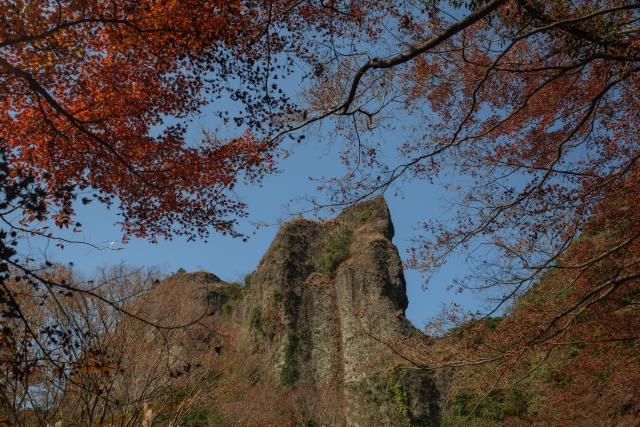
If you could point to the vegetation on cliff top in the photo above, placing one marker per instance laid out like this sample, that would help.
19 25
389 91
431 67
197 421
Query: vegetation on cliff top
335 250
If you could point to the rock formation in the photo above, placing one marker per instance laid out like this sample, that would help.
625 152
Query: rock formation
320 312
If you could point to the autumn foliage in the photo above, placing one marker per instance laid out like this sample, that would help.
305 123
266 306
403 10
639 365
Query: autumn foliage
527 112
566 352
88 87
96 100
528 109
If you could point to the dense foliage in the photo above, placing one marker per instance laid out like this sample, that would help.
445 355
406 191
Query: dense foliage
529 109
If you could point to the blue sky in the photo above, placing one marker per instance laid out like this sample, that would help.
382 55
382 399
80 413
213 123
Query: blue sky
231 258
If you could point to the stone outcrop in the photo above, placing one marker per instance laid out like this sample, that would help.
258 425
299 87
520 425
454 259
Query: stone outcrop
321 312
335 327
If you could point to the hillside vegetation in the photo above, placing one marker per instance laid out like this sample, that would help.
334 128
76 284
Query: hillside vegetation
316 336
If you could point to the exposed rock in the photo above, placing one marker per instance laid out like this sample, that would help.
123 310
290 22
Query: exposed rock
331 327
323 309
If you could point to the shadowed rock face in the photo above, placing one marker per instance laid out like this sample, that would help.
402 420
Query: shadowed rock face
332 327
323 309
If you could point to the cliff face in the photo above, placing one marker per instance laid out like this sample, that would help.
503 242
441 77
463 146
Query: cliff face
333 327
320 313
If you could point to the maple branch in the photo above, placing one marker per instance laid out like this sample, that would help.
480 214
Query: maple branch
38 89
60 27
447 33
556 24
48 235
585 302
421 365
568 25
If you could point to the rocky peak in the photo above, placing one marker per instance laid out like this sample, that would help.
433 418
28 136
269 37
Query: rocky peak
323 301
320 313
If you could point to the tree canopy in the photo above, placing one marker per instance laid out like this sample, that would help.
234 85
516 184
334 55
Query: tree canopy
528 109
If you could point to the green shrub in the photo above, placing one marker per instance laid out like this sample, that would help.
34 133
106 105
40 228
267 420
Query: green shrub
492 323
247 280
235 292
276 297
494 407
336 250
255 318
516 403
197 417
181 271
311 423
364 215
264 322
290 372
399 396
